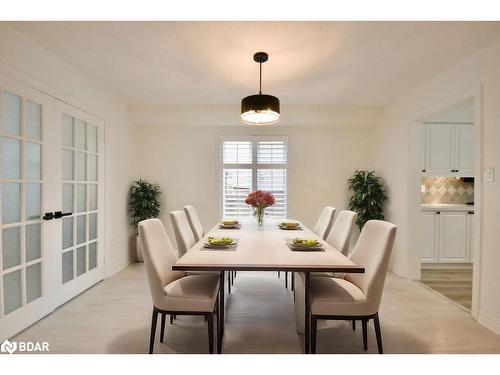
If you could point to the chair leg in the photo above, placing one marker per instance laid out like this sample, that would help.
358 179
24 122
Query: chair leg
293 280
364 323
314 331
210 318
353 325
172 317
378 334
286 280
229 283
154 319
162 330
279 274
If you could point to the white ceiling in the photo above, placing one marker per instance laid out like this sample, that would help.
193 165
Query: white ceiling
200 65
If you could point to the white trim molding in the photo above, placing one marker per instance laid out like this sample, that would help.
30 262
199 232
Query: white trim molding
488 322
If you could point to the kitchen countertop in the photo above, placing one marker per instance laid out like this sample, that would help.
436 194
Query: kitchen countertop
446 207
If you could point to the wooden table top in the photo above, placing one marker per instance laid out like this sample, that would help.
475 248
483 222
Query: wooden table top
264 250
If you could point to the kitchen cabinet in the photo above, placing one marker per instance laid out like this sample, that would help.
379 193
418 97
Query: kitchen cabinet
464 150
449 150
446 236
428 243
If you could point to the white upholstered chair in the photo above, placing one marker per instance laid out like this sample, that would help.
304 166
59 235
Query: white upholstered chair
324 223
340 234
185 239
183 234
356 296
340 239
173 292
194 222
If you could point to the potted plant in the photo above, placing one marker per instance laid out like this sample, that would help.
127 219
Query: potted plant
367 198
144 203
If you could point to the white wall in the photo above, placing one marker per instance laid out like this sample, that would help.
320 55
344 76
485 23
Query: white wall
32 63
185 163
394 138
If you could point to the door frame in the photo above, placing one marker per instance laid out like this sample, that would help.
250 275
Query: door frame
416 144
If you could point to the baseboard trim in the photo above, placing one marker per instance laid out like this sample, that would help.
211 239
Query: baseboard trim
446 266
488 322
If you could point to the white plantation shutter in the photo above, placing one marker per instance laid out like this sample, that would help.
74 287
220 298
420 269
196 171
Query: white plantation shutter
274 180
251 163
271 152
236 184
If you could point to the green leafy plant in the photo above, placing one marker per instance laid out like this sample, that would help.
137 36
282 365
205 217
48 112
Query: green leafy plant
368 197
144 201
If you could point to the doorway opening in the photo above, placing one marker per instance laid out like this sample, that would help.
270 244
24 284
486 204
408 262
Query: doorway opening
446 202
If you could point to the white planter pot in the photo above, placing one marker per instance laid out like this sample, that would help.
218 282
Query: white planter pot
138 251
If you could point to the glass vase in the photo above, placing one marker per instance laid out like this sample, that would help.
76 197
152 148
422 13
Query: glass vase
260 217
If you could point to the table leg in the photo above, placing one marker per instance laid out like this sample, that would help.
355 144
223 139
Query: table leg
220 325
306 313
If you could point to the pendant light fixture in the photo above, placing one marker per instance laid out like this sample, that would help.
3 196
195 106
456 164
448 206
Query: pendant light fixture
260 109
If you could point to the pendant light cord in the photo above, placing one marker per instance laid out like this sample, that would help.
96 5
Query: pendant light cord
260 78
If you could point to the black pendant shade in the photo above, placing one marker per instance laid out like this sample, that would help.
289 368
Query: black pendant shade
260 109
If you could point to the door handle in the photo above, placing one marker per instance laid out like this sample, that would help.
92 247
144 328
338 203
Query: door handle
48 216
60 214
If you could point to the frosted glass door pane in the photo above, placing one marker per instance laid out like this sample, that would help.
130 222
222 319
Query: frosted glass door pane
81 198
91 138
67 131
67 165
33 242
92 227
80 261
79 134
12 294
67 198
67 232
92 255
92 197
81 171
67 266
92 160
32 202
33 282
11 159
80 229
11 203
11 243
32 167
11 113
32 120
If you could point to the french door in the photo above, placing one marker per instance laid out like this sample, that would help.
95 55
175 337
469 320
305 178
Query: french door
51 203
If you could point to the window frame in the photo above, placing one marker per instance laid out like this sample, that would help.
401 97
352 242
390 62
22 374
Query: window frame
253 166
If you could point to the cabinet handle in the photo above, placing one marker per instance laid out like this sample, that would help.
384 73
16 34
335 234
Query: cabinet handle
423 170
471 212
438 212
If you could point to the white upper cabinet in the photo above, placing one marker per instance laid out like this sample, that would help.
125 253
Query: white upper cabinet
464 150
449 150
439 148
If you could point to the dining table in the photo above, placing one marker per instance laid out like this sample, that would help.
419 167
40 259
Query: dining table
264 249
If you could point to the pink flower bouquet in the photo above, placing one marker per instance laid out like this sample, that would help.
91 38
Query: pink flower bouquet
260 200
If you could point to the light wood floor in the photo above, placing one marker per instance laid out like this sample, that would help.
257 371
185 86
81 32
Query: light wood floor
114 317
456 284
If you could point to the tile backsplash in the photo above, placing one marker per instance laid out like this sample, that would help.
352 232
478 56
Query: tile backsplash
447 190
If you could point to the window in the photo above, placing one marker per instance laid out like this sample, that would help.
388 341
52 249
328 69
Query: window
251 163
